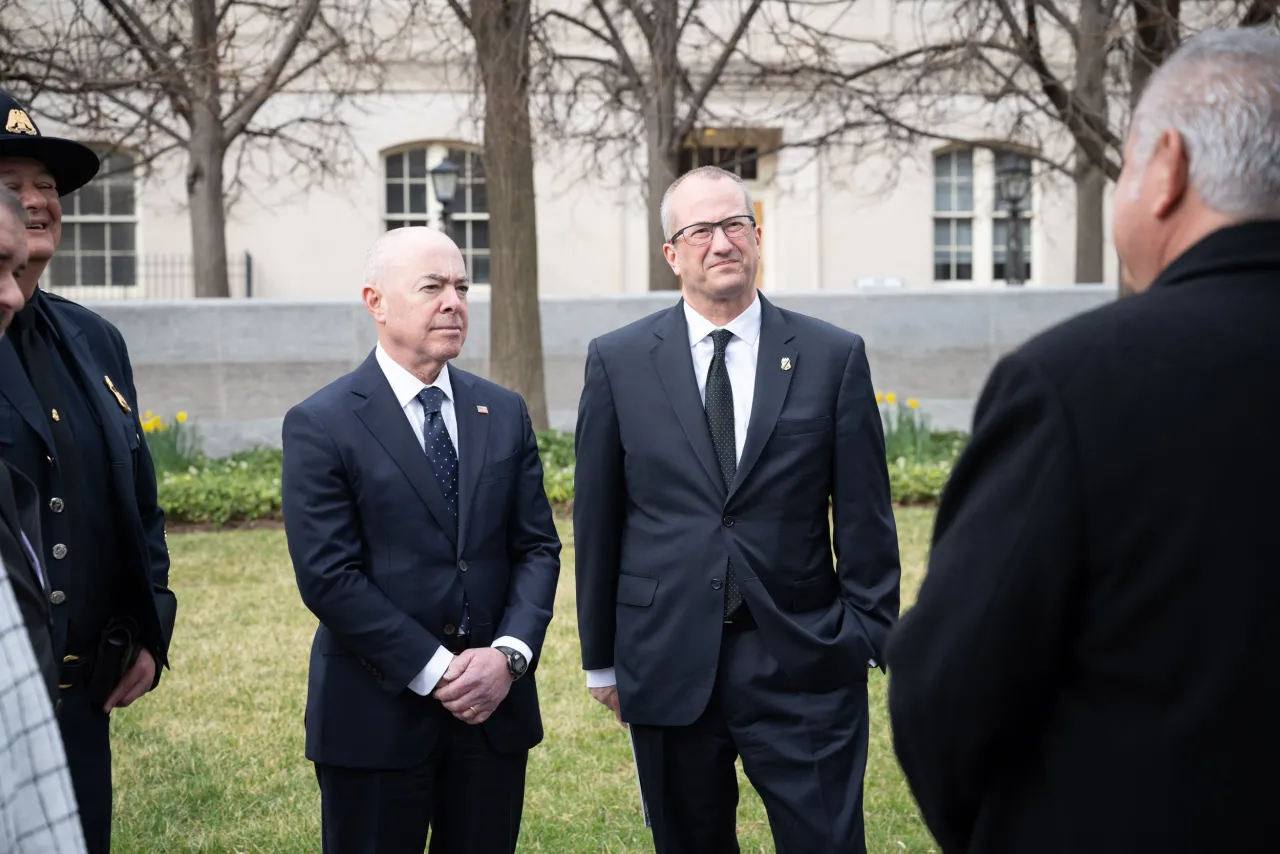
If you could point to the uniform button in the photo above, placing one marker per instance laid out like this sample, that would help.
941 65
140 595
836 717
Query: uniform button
728 521
56 505
59 551
715 584
57 597
450 628
50 459
462 565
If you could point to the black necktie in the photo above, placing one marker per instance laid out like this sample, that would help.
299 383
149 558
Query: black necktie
719 408
439 447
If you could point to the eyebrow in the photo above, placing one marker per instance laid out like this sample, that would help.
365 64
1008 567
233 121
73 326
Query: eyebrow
444 280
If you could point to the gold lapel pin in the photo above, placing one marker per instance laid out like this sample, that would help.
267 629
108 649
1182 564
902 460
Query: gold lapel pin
55 415
786 363
124 404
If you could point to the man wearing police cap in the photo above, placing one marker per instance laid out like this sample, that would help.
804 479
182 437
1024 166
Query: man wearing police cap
69 423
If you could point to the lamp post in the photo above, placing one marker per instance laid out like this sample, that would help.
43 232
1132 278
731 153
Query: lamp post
444 183
1013 182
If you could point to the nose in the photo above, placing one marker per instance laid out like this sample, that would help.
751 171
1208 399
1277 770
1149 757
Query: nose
720 242
449 299
32 199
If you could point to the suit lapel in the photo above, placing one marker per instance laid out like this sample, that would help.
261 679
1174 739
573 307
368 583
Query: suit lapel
473 439
101 400
378 409
674 361
772 383
19 391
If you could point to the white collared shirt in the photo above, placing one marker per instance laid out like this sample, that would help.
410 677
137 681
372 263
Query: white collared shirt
405 386
739 360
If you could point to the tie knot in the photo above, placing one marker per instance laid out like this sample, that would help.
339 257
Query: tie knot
431 399
720 338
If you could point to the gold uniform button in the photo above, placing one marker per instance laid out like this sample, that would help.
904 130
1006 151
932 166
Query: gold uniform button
56 505
57 597
59 551
55 415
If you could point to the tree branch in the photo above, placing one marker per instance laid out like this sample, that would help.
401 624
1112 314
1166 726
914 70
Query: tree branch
240 117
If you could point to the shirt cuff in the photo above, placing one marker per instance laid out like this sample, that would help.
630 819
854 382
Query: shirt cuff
425 682
516 644
872 663
601 678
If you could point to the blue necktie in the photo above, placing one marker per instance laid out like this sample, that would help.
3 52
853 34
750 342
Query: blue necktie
439 447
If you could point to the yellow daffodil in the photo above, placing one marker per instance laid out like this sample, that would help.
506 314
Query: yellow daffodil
147 416
891 398
913 403
879 397
181 417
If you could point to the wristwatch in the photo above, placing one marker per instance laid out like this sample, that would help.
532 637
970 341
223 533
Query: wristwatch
516 664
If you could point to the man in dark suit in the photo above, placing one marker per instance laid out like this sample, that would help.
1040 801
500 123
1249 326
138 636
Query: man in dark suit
69 424
717 442
1090 663
423 541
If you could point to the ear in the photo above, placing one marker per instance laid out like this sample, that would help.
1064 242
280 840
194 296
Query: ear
372 298
669 252
1168 170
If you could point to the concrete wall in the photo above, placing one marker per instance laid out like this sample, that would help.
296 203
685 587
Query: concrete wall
236 366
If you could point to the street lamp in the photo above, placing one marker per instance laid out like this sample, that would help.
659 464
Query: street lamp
1013 183
444 182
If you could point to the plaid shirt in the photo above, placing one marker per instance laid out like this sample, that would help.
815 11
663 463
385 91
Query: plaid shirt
37 804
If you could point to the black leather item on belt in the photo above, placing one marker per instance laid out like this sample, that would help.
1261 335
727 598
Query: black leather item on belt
742 620
76 671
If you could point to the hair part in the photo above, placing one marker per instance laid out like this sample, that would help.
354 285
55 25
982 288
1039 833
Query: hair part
712 172
12 205
1221 92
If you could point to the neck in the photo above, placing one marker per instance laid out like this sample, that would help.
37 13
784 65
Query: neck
31 277
721 312
1192 231
425 369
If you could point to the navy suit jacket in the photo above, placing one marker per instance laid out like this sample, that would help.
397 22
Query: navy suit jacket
26 440
378 561
654 526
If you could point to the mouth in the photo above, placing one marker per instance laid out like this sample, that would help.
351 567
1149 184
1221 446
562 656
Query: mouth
724 263
37 226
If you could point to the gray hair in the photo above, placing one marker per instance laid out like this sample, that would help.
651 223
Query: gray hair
12 205
1220 91
705 172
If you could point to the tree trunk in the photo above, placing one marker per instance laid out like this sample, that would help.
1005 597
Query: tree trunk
660 126
205 158
502 32
1091 181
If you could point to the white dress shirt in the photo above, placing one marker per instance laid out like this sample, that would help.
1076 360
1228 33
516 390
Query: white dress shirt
740 361
405 386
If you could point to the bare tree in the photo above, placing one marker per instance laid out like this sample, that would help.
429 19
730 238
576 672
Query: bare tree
640 68
502 35
204 78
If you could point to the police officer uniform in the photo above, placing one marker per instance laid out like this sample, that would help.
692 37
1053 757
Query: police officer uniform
69 423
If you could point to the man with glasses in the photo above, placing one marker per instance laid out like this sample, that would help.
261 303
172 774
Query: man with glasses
714 439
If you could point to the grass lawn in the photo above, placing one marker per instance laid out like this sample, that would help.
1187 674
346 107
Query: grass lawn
213 760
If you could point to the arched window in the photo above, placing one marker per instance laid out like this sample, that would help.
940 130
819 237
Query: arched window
410 200
971 222
100 230
953 216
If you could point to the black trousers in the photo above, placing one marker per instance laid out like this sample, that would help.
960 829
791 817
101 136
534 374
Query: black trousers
468 796
804 752
86 737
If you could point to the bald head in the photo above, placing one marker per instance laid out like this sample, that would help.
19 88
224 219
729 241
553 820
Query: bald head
409 245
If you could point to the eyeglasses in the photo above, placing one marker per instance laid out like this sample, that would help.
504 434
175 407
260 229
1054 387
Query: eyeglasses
700 233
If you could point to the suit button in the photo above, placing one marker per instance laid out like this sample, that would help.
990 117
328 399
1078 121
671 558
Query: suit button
59 551
56 505
450 628
728 521
715 584
462 565
57 597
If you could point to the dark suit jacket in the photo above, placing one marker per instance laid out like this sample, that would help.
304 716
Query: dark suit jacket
20 514
654 527
26 441
1090 662
378 561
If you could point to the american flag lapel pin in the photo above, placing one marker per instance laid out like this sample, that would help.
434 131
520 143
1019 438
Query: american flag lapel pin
483 410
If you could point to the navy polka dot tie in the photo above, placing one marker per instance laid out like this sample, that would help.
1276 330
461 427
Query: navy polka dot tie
719 409
439 447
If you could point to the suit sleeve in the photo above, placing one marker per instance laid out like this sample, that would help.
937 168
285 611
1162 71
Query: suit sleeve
323 532
599 501
865 536
974 662
534 547
152 516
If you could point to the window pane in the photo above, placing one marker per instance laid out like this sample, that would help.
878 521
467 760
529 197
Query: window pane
941 194
964 195
479 199
942 232
121 199
395 198
121 237
119 167
477 166
70 239
393 224
1000 232
480 269
93 236
89 200
964 232
479 234
750 164
942 271
418 198
964 164
122 270
685 161
395 166
457 231
418 163
62 269
93 269
964 272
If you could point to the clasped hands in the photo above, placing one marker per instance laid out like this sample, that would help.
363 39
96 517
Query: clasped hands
476 681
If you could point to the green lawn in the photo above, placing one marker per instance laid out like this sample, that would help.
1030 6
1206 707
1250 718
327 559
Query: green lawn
212 761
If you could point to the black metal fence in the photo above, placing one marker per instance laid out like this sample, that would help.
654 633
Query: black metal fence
158 276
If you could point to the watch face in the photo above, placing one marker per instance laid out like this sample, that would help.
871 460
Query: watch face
518 662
